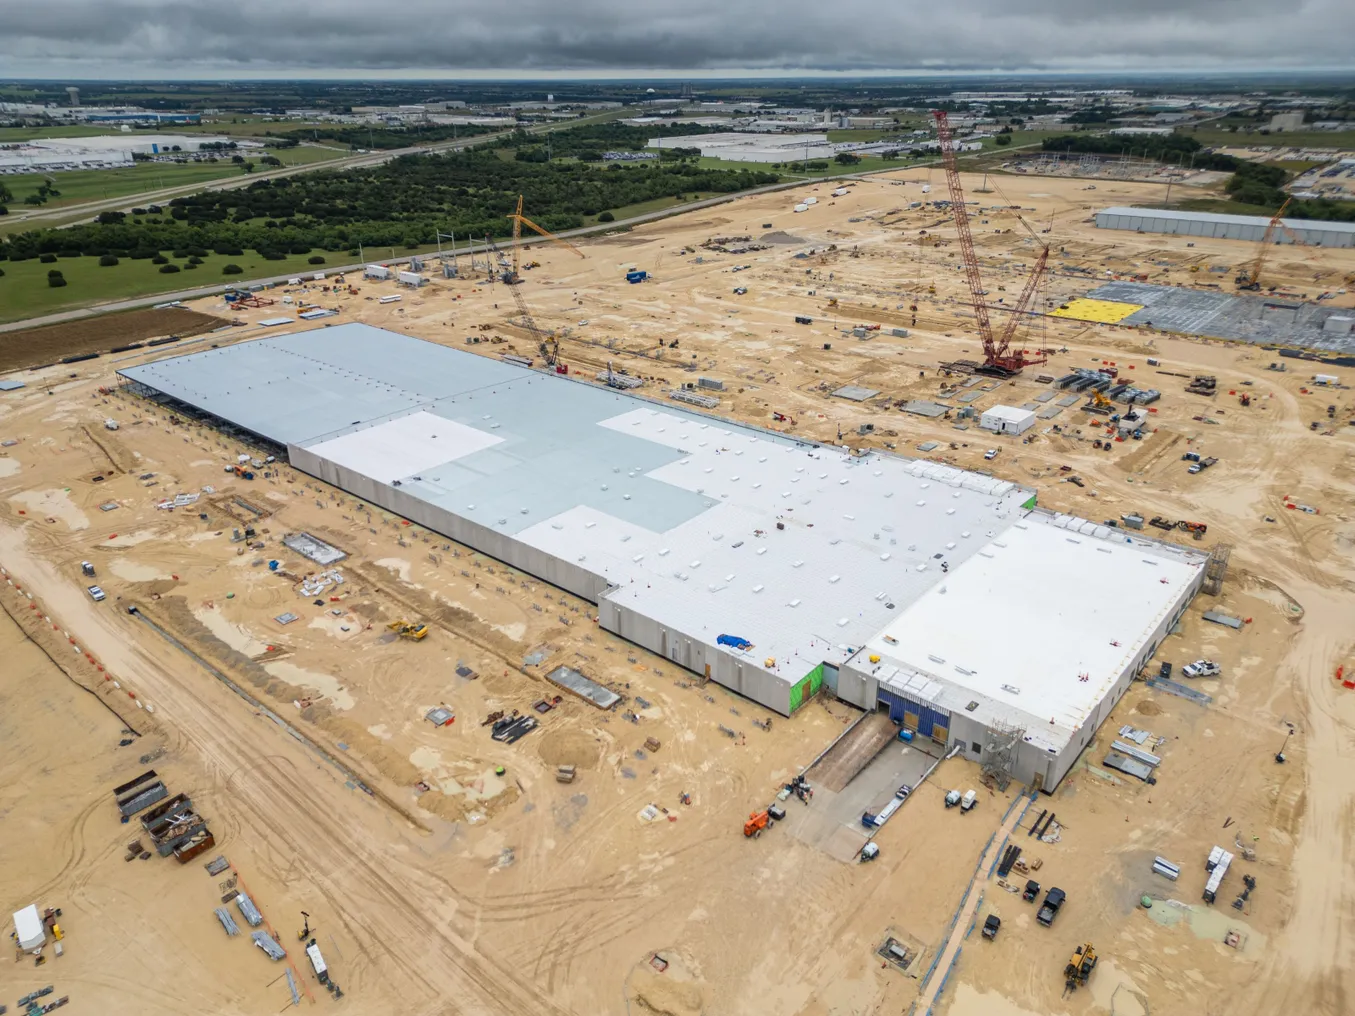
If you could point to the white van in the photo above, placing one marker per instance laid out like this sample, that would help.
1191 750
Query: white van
970 799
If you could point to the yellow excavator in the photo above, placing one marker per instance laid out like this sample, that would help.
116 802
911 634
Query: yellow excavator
1098 403
408 630
1080 967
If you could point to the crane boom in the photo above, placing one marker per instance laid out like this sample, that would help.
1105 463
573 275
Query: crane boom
1250 278
520 220
957 206
998 359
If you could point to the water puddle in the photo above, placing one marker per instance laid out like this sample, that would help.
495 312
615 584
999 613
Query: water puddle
325 684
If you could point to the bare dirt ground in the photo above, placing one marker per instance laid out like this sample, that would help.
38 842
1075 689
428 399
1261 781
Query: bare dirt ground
492 892
98 335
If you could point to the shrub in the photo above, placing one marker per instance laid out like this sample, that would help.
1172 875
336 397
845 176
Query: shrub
1002 139
232 270
154 209
273 255
168 269
195 261
138 211
606 217
47 259
316 260
159 259
143 254
197 252
2 273
107 261
56 280
180 253
189 267
70 252
54 274
230 252
300 248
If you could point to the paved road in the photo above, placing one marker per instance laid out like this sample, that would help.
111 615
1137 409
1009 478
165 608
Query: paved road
70 215
635 220
373 159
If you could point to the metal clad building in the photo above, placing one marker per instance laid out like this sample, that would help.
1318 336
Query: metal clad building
773 566
1225 227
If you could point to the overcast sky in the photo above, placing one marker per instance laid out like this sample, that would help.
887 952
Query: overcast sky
71 39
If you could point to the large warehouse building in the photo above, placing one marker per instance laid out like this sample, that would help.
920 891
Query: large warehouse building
1312 232
773 566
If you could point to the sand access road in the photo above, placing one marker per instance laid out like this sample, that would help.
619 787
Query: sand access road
404 918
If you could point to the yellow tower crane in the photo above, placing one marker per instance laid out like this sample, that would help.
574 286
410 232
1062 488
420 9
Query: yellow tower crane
520 220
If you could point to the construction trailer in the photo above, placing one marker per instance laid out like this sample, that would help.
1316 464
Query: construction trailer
1251 228
376 272
1007 420
677 524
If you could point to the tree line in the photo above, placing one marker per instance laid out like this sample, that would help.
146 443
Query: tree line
403 203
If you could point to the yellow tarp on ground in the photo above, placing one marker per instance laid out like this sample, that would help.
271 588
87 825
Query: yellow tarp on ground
1107 312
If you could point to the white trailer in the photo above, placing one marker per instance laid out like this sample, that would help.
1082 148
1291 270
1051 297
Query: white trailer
413 279
376 272
317 962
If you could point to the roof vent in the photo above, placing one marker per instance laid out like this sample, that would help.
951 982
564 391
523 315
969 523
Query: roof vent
758 588
935 659
663 552
841 622
694 564
834 578
793 603
1011 689
885 556
797 564
762 550
971 707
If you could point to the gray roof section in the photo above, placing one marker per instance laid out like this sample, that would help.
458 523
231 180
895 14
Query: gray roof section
1232 220
294 388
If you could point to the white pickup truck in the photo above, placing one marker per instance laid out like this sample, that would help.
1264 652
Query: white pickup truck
1201 668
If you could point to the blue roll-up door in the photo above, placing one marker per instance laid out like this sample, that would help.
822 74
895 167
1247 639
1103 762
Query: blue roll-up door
915 716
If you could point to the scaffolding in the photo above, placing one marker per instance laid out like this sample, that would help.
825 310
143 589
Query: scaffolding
999 752
1216 569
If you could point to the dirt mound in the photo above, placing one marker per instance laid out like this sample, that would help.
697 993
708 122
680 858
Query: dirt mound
1148 708
569 748
50 343
780 236
658 995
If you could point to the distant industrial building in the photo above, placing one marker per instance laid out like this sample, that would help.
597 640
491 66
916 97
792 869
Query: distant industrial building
740 147
1287 121
1313 232
779 568
49 155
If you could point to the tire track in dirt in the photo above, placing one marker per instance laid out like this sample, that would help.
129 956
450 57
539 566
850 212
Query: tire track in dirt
356 876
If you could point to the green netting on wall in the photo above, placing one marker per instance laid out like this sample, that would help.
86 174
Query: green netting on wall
806 688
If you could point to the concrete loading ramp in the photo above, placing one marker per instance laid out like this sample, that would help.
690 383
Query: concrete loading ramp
840 765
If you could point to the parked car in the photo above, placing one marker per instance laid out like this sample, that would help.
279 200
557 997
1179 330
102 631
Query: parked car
991 925
903 792
991 453
1201 668
96 593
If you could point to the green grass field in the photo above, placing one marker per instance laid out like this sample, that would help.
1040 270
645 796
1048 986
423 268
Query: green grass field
83 185
24 292
1214 138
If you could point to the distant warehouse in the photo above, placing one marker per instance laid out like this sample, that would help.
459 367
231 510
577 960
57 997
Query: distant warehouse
1225 227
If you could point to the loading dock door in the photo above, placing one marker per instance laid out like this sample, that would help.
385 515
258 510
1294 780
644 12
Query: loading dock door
923 720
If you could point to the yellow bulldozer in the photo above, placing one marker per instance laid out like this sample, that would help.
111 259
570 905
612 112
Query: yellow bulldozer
408 630
1080 967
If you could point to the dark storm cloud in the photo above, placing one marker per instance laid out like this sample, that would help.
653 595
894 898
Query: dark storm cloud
184 37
